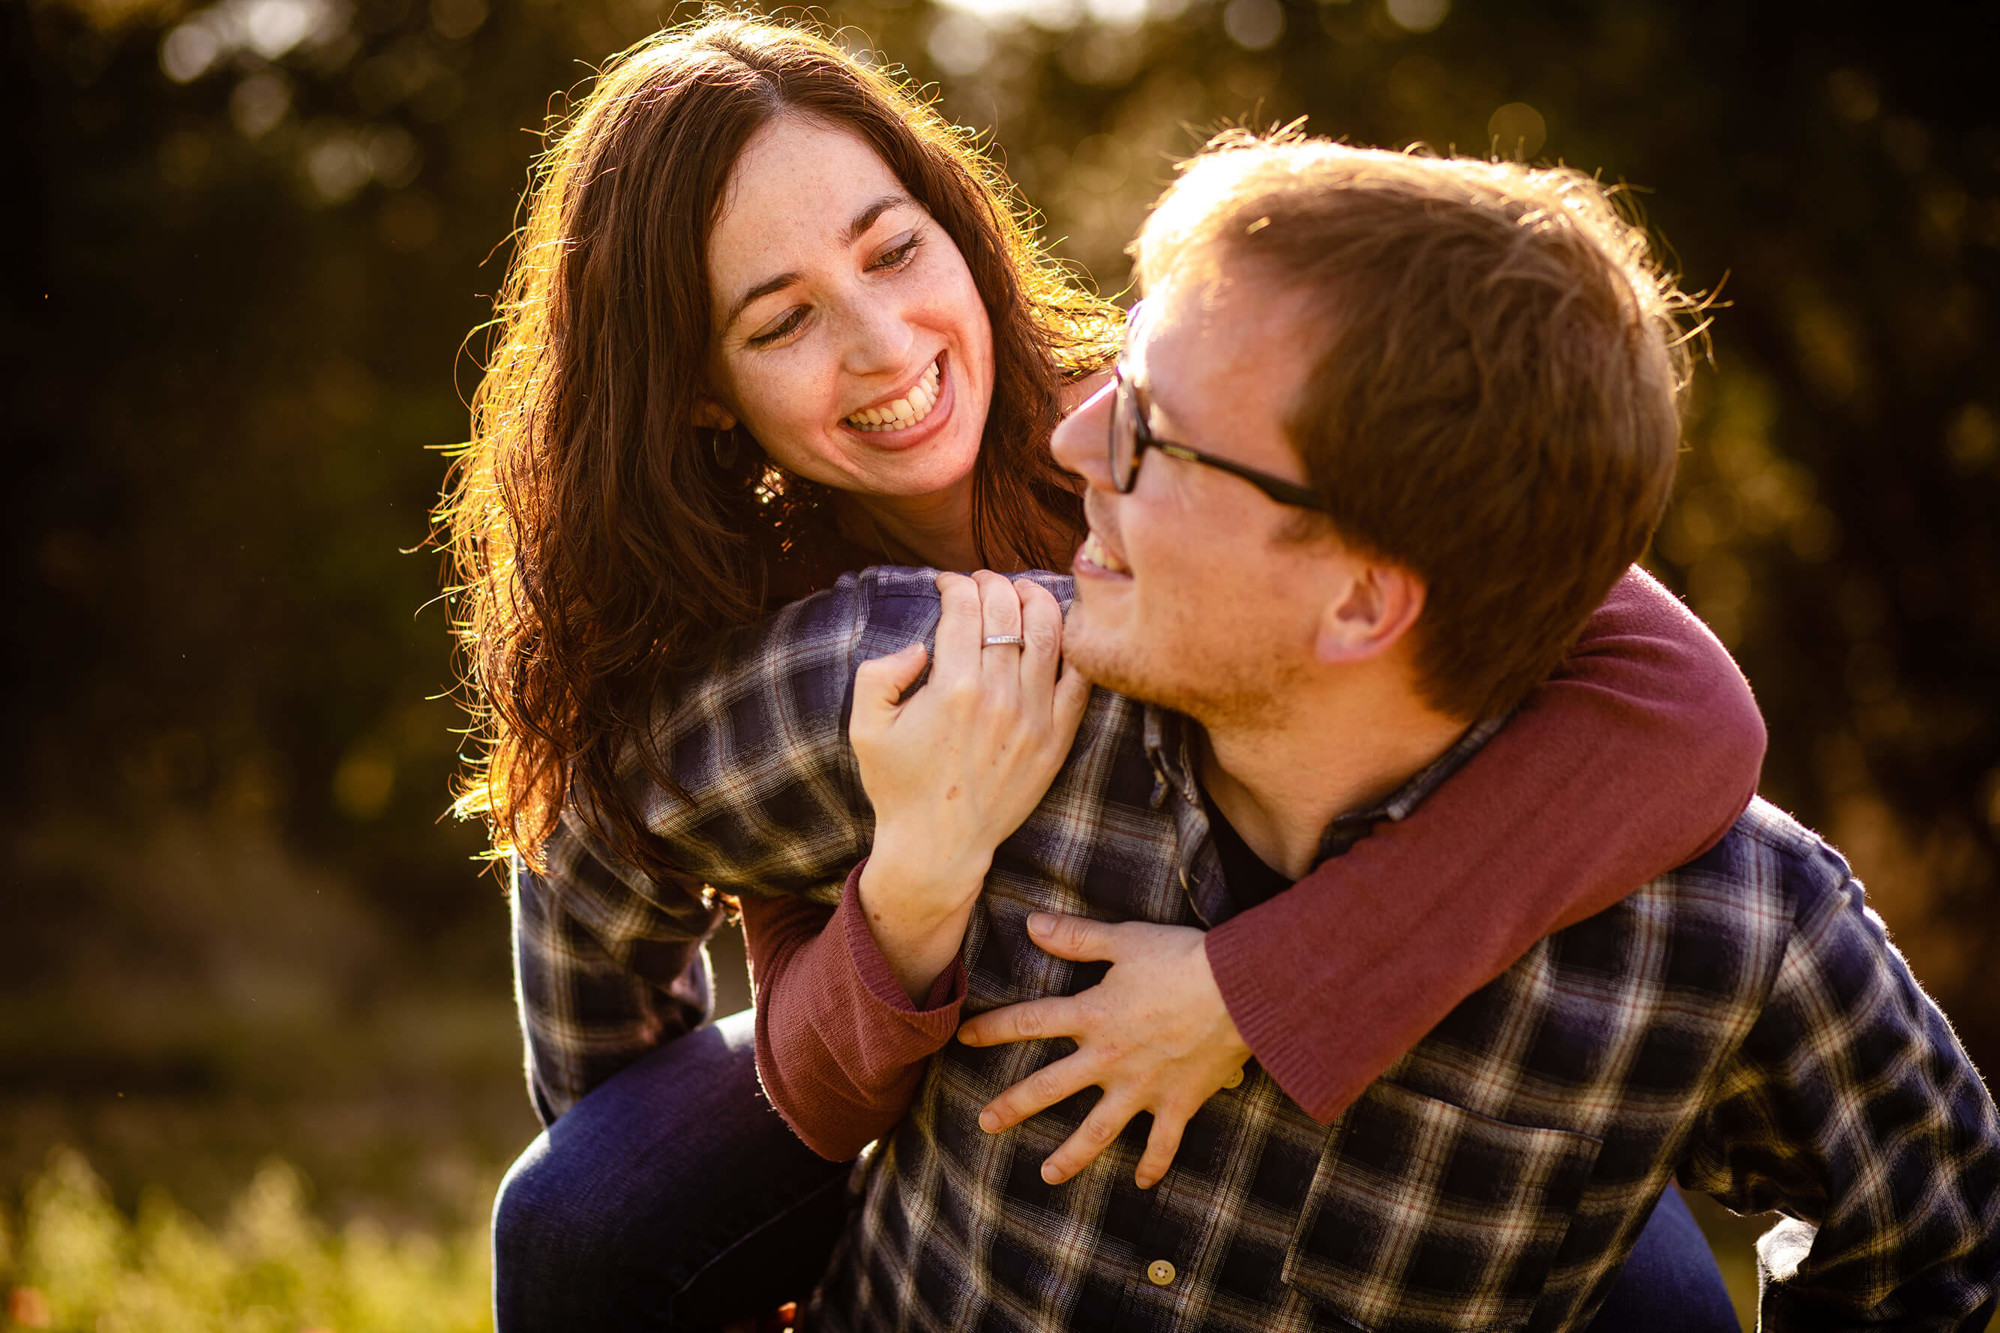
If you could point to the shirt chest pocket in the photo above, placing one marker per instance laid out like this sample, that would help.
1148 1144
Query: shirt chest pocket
1424 1215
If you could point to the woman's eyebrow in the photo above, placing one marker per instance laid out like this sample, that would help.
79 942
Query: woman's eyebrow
867 216
856 229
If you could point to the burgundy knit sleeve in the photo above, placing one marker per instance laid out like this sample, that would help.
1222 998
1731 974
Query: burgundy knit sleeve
1635 758
840 1048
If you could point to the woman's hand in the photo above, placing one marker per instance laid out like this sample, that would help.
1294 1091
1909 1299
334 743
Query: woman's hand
955 768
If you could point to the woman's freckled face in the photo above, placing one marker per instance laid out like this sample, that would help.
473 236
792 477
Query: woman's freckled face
833 293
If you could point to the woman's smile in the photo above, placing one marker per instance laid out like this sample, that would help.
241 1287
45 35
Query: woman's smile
901 410
914 415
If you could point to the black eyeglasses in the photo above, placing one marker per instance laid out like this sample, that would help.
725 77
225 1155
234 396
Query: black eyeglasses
1131 438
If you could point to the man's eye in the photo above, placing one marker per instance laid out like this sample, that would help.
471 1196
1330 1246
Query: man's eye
899 254
780 329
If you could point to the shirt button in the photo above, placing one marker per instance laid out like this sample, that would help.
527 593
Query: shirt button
1159 1272
1235 1079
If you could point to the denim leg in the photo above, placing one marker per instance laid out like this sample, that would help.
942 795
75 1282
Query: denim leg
671 1198
1670 1283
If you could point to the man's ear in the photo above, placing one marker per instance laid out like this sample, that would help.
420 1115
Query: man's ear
1369 614
708 412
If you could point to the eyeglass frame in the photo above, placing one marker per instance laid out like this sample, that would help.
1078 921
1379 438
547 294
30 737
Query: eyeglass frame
1125 401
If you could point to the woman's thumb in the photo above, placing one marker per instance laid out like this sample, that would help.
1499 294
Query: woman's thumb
879 683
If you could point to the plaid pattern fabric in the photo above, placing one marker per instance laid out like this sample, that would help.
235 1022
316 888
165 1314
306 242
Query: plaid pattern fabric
607 965
1743 1022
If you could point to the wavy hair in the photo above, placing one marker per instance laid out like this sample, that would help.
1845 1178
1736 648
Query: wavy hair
600 543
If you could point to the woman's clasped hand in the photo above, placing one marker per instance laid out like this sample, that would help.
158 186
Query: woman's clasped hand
954 767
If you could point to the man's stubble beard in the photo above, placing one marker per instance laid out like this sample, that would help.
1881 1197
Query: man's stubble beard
1220 690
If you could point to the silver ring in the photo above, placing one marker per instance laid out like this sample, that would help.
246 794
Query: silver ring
1004 641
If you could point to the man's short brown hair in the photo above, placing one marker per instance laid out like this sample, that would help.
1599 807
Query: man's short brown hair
1494 402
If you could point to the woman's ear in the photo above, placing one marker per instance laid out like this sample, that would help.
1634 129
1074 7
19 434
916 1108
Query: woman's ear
708 412
1369 613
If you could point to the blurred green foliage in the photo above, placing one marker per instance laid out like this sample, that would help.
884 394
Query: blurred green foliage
251 237
79 1265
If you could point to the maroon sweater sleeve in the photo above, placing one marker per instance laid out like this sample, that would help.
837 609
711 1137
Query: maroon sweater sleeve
1635 758
839 1045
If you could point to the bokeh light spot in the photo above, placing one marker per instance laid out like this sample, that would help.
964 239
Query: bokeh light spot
1254 25
1418 15
455 20
1517 131
363 782
258 104
187 51
338 167
1973 439
960 44
394 157
1853 96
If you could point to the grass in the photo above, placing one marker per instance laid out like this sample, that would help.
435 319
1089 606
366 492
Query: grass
72 1261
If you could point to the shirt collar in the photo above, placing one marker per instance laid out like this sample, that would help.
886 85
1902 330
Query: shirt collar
1170 747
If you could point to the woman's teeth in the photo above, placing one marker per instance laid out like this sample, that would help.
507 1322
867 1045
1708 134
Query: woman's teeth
905 411
1097 553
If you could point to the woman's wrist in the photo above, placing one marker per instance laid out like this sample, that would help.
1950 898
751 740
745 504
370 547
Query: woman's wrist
916 903
923 873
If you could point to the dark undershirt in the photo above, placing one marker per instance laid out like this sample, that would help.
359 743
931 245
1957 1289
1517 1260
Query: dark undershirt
1250 880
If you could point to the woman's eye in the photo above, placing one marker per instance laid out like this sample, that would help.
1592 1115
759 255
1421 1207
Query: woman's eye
898 254
778 330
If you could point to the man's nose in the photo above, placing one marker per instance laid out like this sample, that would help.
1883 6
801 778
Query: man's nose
1081 441
877 339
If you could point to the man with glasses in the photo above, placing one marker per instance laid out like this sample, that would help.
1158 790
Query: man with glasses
1449 387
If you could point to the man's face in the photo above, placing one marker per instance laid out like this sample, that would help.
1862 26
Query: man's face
1192 590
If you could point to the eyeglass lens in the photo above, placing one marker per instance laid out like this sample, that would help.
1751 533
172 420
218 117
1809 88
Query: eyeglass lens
1124 435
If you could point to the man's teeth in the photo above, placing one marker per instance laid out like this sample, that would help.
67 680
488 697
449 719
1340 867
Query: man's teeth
905 411
1097 553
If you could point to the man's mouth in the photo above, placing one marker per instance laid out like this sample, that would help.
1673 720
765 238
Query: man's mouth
908 409
1095 552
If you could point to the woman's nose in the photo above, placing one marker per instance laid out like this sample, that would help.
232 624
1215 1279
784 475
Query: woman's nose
1082 440
878 338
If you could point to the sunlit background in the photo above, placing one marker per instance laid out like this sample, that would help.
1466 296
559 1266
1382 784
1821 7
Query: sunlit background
256 1046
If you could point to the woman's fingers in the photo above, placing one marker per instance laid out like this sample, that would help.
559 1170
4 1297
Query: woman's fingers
1041 626
1072 697
1000 609
959 628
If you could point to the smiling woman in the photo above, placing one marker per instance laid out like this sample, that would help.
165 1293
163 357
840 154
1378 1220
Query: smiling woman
819 253
771 319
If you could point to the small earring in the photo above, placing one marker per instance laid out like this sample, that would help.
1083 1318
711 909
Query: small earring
723 443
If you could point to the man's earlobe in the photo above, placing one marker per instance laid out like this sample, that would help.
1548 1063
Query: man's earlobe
709 413
1369 615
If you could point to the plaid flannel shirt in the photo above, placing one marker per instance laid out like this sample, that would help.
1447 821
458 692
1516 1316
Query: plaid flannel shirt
1742 1023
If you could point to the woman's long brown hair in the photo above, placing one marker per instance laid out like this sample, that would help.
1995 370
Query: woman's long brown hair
601 543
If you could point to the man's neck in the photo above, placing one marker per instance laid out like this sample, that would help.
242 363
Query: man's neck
1281 780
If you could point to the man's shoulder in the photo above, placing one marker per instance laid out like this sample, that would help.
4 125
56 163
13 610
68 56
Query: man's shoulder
1716 930
884 608
1768 859
892 583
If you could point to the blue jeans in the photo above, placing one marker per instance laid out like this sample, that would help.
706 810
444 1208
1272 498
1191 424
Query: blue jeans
674 1199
